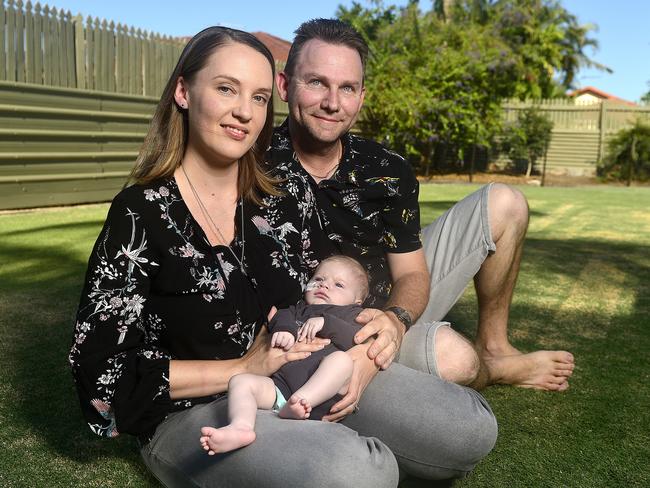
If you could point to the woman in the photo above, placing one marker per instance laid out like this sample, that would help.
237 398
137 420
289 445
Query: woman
183 274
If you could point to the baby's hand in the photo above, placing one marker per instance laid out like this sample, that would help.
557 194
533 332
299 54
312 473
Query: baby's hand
310 328
283 340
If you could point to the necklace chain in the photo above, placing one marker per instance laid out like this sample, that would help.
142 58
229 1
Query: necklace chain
330 171
215 227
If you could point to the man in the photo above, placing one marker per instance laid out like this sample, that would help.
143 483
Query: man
434 428
480 237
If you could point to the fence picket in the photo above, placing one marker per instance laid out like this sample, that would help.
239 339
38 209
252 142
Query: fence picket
96 52
3 57
11 42
69 51
137 68
60 44
29 43
111 56
103 56
54 46
90 54
79 51
20 42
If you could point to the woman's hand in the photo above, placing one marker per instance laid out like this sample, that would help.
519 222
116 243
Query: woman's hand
264 360
362 374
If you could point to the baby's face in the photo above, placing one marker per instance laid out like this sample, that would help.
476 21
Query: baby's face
333 283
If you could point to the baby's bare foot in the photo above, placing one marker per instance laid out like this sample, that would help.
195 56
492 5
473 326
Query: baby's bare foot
296 408
225 439
541 370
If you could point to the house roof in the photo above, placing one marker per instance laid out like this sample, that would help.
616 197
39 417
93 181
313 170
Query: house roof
590 90
278 46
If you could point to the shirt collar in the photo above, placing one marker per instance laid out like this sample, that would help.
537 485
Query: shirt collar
282 152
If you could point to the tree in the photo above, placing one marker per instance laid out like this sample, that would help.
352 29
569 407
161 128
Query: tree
628 156
430 81
528 137
436 79
646 98
545 36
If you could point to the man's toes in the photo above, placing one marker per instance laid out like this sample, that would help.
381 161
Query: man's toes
566 357
563 387
554 383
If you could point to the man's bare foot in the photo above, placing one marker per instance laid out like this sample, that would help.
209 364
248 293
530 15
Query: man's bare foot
541 370
225 439
296 408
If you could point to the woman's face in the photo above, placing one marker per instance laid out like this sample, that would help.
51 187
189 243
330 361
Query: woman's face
227 103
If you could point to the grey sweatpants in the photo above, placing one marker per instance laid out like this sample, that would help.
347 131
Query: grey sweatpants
409 419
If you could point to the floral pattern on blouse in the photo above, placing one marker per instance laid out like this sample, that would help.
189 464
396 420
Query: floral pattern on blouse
156 290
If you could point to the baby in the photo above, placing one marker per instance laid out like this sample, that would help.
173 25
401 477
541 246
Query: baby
332 301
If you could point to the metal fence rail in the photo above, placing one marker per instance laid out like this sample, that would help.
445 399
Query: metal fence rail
61 145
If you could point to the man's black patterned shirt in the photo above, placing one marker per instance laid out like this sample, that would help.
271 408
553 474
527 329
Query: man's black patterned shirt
369 206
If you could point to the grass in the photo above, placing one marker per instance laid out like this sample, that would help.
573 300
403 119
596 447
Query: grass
584 286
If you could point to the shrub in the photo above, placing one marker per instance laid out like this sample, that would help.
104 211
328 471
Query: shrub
527 138
628 155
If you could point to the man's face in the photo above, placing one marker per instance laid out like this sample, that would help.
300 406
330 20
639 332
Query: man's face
325 92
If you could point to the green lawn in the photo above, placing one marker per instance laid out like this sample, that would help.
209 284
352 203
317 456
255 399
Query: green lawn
584 286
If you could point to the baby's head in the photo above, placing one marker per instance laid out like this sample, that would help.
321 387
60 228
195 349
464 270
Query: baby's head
338 280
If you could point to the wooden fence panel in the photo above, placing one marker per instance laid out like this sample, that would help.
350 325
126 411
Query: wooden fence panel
580 132
46 45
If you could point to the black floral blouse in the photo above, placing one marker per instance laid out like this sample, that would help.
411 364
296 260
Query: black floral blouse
369 207
156 290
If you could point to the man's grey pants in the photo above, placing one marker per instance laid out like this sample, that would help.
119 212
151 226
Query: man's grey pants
409 420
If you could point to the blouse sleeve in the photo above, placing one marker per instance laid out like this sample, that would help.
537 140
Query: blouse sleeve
121 373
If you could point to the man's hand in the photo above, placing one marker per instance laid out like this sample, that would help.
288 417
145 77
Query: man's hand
310 328
390 332
364 370
283 340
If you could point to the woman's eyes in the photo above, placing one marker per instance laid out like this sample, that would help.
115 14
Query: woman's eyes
225 89
228 90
